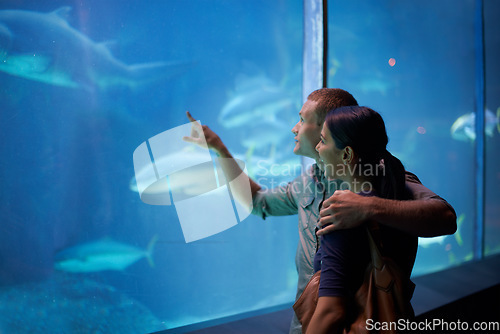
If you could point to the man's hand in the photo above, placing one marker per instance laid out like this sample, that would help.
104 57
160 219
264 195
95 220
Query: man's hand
212 140
229 165
343 210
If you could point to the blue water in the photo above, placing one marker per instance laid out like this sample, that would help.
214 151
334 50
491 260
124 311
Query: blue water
67 176
67 147
417 68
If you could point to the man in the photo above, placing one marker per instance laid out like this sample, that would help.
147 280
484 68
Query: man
310 194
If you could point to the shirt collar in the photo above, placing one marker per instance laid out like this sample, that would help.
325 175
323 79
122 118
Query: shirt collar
322 182
318 174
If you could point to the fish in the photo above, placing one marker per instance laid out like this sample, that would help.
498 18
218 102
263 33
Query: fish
100 255
43 47
256 99
334 65
374 85
458 233
427 242
464 127
197 179
265 134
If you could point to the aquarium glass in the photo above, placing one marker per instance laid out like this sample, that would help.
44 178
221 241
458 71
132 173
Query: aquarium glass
93 98
86 83
492 137
413 61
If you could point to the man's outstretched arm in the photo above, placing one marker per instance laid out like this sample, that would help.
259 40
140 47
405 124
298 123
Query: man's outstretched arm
229 165
279 201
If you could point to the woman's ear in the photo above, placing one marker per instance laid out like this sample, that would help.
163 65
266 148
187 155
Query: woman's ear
348 155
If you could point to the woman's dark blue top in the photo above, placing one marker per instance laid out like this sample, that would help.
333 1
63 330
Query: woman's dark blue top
342 258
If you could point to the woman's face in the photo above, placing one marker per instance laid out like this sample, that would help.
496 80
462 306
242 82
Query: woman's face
330 157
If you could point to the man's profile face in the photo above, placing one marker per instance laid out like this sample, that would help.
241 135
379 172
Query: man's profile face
307 131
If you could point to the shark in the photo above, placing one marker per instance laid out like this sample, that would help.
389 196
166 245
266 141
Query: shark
439 240
464 127
199 178
256 99
44 47
100 255
374 84
264 134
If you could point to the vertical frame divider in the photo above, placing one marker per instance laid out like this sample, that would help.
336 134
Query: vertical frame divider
480 154
314 51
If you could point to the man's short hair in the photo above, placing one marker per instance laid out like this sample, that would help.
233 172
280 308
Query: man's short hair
329 99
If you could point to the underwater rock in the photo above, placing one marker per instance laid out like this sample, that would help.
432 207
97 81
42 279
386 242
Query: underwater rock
65 304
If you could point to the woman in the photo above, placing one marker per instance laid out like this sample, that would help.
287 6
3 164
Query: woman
353 150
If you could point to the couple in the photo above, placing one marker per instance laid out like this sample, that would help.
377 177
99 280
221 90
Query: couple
398 202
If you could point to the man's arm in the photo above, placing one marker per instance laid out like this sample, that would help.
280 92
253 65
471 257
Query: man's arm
280 201
229 165
427 215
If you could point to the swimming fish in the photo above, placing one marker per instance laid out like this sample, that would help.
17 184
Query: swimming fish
264 134
43 47
255 100
458 233
102 255
196 179
373 84
464 128
427 242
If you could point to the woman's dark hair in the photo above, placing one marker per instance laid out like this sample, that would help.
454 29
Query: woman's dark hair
363 129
